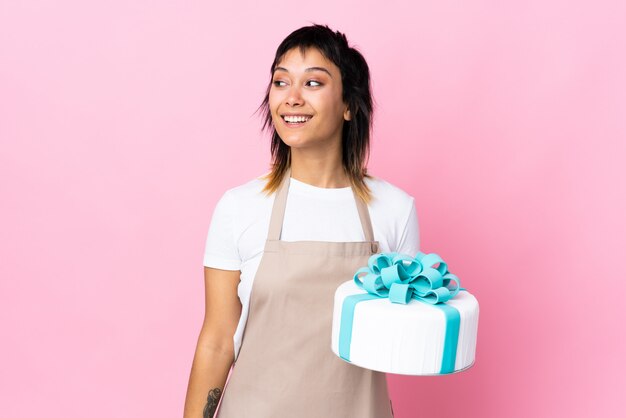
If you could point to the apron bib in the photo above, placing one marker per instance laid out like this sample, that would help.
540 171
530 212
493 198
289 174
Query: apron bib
285 366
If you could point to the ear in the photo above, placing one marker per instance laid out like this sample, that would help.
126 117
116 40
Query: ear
347 115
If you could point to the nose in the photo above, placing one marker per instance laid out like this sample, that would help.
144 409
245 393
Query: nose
294 98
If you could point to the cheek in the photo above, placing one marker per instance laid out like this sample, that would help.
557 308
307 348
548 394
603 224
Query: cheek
330 101
274 99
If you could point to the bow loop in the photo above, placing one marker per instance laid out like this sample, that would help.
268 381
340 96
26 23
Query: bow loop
379 261
401 278
429 260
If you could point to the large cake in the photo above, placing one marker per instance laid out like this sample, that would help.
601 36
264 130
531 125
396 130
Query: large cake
405 315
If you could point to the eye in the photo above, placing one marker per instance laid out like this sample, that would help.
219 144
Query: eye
276 83
318 83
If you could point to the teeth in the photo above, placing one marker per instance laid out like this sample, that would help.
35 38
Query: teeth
294 119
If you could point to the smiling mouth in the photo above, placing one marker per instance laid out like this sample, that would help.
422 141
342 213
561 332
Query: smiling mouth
296 120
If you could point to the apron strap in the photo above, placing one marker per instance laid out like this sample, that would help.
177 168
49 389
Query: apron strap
280 201
278 209
364 216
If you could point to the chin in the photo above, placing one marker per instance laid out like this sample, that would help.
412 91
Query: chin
296 141
293 142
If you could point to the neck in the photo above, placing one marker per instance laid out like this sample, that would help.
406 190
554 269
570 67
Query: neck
320 169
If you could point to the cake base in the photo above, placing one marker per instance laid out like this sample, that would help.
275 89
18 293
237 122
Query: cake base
414 339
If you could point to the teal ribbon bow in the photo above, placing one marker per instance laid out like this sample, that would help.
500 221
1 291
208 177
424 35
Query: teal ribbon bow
401 278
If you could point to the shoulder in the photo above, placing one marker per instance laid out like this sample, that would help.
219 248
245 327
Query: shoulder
386 193
251 190
391 207
394 217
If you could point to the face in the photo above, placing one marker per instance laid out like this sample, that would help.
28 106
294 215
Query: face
308 86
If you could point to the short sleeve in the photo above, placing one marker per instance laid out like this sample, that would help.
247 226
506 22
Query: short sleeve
221 250
410 241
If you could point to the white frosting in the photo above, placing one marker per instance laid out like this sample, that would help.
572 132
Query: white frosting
405 339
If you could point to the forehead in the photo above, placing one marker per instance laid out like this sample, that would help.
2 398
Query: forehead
296 61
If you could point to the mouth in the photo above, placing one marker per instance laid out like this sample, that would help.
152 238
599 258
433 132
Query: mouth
295 121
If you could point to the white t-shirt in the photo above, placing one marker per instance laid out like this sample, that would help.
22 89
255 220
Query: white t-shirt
240 223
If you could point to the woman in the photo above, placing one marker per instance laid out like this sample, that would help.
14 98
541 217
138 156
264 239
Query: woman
297 233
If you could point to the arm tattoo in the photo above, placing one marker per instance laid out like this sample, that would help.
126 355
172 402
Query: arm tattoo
211 402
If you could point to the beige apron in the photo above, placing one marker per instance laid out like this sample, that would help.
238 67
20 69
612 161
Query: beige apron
285 367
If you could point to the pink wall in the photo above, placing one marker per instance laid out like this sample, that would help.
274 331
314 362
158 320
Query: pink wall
119 122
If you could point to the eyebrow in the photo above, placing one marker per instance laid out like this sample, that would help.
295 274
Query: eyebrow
307 70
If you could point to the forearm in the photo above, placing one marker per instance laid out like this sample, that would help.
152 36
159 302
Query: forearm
207 379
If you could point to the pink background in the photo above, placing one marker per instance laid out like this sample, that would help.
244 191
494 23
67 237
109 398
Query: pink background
122 123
